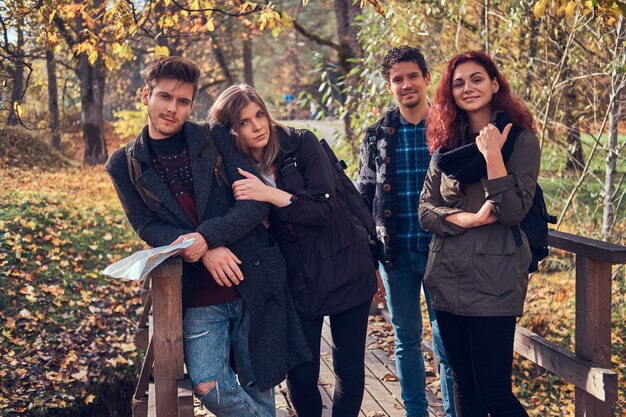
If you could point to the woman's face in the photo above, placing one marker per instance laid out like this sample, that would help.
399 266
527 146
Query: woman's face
254 129
472 88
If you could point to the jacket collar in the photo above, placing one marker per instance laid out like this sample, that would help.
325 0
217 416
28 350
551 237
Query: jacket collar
202 170
193 135
288 140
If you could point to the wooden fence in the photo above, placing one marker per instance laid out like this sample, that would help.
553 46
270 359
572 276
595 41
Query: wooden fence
163 390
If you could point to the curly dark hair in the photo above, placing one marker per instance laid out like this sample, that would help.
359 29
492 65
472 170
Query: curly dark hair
171 67
446 121
403 53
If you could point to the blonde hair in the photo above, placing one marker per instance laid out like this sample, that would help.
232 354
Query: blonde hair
227 111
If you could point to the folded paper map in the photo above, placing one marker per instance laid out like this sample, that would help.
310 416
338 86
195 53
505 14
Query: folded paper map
139 264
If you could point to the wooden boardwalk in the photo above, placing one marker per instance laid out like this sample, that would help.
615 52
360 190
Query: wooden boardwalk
382 396
162 383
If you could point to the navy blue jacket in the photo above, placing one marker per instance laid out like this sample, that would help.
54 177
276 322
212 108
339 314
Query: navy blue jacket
376 180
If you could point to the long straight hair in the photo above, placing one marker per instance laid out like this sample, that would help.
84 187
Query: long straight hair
446 121
227 111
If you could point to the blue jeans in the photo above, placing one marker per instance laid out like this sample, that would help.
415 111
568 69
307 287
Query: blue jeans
209 333
403 283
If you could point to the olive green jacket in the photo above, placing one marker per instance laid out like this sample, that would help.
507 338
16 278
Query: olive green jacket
480 271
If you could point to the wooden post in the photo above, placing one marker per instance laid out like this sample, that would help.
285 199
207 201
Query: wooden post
167 336
593 327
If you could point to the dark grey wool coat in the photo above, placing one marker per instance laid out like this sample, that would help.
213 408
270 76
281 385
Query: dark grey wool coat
276 340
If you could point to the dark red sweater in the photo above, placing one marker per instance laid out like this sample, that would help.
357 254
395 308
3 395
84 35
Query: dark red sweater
170 159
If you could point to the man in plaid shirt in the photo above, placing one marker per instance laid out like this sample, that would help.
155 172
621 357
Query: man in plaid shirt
393 163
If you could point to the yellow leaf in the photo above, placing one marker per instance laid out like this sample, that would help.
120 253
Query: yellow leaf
210 26
25 314
93 56
248 6
109 62
540 8
161 51
570 9
80 375
90 399
18 108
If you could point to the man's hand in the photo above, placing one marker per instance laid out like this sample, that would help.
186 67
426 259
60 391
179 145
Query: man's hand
380 296
194 252
223 266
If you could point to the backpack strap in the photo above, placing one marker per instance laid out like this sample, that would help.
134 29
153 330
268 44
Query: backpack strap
209 151
135 169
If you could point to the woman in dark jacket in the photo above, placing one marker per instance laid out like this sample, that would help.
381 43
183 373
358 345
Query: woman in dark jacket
479 187
329 266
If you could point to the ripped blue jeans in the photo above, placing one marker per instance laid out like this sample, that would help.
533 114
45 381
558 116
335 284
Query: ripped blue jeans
208 334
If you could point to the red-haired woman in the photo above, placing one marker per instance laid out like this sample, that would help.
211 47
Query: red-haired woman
480 185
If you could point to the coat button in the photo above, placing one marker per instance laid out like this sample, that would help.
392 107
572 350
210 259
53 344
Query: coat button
386 159
387 213
387 187
390 130
388 263
256 262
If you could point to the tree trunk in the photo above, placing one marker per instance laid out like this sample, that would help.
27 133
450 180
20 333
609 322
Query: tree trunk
53 98
575 159
608 215
532 53
219 56
248 70
486 26
17 92
345 14
617 80
92 81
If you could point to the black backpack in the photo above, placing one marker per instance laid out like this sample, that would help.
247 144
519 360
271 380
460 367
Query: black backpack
535 226
355 201
347 190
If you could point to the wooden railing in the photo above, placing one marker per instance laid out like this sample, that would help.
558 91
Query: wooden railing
161 335
588 368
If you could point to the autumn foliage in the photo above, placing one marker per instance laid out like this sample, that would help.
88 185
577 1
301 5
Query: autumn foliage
67 335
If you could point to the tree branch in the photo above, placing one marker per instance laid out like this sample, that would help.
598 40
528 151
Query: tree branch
315 38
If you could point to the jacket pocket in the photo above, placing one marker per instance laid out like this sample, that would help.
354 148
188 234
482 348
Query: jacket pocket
333 239
291 176
495 262
495 240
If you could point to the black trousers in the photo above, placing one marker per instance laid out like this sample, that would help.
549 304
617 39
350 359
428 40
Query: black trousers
480 353
348 330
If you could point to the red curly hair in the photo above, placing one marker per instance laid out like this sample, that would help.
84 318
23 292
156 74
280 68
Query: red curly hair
446 122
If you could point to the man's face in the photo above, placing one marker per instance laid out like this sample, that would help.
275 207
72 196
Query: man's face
169 106
407 84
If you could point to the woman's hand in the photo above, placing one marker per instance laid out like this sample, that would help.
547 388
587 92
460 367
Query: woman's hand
252 188
468 220
485 214
249 188
490 142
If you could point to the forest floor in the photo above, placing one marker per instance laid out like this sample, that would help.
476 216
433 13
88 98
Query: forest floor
66 334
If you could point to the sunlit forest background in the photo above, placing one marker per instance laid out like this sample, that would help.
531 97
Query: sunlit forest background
70 95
